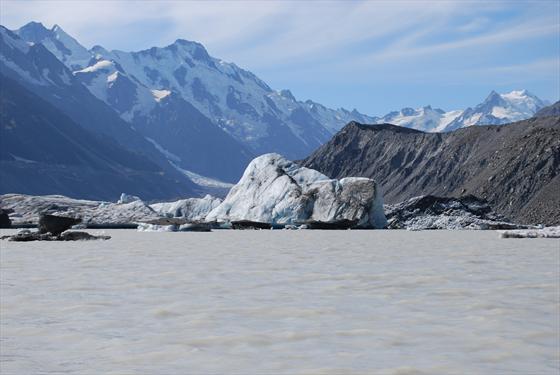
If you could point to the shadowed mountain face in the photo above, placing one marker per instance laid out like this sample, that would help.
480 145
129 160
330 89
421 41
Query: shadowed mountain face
43 151
516 167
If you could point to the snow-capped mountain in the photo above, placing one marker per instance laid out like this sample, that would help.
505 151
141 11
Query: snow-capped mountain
499 109
496 109
60 44
426 118
56 137
136 83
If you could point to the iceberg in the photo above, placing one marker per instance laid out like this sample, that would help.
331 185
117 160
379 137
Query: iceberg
277 191
193 209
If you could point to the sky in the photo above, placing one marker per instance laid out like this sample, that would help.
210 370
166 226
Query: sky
375 56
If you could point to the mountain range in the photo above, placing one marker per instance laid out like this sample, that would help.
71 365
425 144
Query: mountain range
187 114
496 109
197 107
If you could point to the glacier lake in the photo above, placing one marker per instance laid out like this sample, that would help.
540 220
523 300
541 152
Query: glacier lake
281 302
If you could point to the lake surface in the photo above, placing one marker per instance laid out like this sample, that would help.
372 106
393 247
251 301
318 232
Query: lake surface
275 302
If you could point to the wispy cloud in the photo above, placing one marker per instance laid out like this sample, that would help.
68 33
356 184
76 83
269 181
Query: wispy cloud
293 43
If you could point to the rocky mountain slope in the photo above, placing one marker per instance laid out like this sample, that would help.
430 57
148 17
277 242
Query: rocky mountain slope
551 110
35 82
515 167
42 151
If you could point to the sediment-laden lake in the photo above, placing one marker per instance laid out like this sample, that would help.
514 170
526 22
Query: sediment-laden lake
281 302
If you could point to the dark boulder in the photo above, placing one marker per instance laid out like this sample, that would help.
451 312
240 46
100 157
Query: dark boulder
56 224
5 221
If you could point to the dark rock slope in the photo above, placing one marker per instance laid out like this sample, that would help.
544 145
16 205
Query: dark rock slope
42 151
515 167
551 110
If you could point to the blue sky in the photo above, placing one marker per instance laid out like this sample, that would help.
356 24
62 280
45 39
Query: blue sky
375 56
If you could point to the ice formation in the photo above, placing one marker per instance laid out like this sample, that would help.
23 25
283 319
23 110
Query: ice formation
191 208
277 191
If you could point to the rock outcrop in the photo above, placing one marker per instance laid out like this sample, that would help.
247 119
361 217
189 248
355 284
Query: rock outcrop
55 225
430 212
515 167
551 110
5 221
276 191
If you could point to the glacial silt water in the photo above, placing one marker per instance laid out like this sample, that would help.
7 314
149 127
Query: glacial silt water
281 302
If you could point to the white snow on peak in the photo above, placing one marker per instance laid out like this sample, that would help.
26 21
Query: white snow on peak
160 94
523 101
235 99
447 118
59 43
496 109
423 118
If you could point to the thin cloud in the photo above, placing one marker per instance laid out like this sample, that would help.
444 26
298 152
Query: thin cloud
292 43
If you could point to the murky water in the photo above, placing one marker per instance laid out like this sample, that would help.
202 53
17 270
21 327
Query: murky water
297 302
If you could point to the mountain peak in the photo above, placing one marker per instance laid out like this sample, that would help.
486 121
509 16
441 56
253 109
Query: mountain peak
34 26
493 99
186 42
492 94
33 32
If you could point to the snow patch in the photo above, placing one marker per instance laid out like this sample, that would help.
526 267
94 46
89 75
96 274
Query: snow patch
101 64
112 77
160 94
